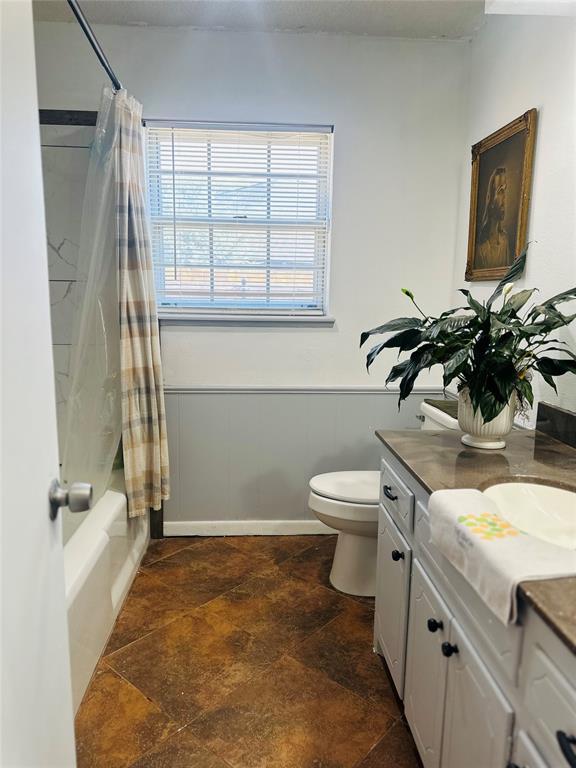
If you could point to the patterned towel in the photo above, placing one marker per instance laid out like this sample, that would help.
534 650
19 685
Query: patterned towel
492 555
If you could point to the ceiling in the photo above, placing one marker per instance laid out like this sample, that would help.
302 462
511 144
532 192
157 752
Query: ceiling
451 19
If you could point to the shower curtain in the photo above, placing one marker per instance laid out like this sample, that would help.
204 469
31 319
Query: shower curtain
115 370
143 415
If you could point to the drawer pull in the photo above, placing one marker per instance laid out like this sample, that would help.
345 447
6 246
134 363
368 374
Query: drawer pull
388 493
434 625
566 744
448 649
397 555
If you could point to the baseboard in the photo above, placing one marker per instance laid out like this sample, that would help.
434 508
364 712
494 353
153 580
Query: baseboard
245 528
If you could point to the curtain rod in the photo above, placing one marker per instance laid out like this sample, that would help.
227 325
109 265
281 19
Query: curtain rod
87 29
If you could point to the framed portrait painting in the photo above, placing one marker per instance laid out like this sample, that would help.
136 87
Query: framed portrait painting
500 198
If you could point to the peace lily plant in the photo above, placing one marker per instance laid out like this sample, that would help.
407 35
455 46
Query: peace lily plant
490 352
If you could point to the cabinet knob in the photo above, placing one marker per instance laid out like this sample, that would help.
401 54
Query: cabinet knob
434 625
567 744
512 765
397 555
448 649
388 493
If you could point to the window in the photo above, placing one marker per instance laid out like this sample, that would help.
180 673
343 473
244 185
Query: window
240 218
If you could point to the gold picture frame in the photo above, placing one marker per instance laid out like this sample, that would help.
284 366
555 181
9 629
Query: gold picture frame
500 198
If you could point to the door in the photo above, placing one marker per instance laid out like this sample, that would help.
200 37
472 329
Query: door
36 721
392 590
478 719
426 666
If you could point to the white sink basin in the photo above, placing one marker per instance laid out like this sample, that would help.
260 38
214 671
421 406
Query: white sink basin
542 511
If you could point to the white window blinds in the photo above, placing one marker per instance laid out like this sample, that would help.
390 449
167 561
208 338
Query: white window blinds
240 218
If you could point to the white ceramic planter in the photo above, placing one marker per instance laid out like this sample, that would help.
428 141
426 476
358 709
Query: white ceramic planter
478 434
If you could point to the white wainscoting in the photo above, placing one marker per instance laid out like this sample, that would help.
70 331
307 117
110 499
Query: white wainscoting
241 458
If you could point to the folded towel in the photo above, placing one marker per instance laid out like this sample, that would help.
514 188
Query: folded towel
492 555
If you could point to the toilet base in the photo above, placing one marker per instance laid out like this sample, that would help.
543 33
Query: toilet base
354 565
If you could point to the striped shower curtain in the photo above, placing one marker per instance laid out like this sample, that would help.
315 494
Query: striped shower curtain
144 440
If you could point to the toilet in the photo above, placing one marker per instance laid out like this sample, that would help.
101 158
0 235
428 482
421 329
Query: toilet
348 502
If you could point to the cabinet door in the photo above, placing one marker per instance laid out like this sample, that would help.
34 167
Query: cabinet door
525 754
392 591
477 719
426 666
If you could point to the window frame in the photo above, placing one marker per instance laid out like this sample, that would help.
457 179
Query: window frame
254 316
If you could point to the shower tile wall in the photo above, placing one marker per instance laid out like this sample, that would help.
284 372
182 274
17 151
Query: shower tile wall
65 153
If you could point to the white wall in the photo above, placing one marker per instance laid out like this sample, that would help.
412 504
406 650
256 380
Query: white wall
518 63
398 109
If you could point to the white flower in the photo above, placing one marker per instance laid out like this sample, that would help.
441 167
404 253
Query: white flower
508 288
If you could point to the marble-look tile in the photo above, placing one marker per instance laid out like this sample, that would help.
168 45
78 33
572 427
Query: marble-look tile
395 750
277 548
158 549
343 650
61 356
150 604
116 723
292 716
65 171
189 665
179 751
63 305
67 135
207 569
277 609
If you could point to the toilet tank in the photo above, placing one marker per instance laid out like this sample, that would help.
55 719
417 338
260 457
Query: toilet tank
439 414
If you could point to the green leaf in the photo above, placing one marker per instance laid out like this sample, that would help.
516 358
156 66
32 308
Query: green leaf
524 389
478 308
554 366
513 274
560 297
454 364
403 341
399 324
518 300
447 325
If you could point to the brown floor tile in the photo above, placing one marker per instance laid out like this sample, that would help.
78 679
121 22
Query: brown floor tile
116 724
395 750
313 564
343 651
150 604
277 609
292 717
161 548
191 664
277 548
179 751
207 569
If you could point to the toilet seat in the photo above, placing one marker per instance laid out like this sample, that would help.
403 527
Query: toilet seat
343 510
356 488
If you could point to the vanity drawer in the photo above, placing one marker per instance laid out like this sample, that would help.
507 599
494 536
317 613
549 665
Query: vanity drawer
504 642
396 498
551 700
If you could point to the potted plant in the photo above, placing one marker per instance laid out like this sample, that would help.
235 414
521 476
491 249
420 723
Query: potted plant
490 352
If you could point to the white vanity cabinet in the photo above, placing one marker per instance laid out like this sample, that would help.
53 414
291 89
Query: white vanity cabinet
477 716
467 681
392 591
426 666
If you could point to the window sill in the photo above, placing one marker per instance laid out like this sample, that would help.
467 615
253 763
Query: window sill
182 318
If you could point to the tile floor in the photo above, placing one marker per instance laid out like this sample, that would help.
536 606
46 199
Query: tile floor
237 653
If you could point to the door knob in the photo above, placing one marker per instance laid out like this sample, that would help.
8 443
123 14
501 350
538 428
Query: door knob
434 625
448 649
78 498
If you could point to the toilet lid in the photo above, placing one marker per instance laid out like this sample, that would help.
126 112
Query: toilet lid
357 487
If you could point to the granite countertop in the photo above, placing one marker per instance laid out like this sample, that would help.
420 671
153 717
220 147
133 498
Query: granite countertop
439 460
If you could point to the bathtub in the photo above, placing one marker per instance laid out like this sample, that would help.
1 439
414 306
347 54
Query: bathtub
100 561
